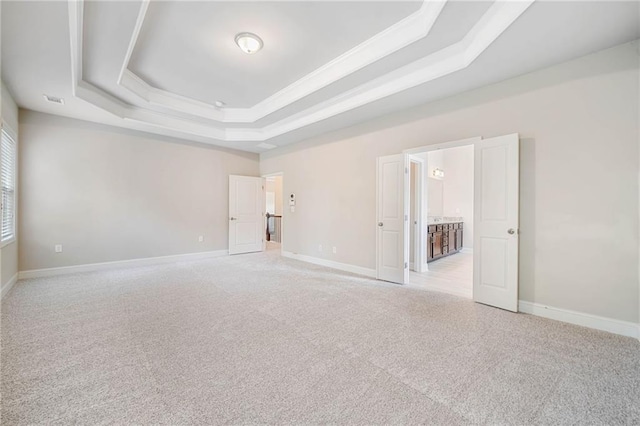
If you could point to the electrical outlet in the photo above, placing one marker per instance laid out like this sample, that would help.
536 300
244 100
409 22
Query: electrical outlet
58 248
320 247
334 250
200 238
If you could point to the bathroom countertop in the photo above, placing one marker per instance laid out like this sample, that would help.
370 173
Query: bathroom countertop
435 220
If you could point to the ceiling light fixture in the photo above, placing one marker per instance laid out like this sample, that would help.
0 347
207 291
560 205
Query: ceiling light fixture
249 43
219 104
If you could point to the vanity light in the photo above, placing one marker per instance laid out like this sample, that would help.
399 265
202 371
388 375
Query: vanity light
439 173
249 43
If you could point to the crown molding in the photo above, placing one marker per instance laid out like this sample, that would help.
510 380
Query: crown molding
76 26
142 13
445 61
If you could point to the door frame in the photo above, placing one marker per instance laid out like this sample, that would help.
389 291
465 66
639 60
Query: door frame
443 145
264 176
423 193
419 243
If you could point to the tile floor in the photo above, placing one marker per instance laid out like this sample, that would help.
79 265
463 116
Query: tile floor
452 274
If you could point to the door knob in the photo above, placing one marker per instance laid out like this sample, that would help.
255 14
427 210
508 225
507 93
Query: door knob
511 231
379 223
232 218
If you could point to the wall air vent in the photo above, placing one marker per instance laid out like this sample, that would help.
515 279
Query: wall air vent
54 100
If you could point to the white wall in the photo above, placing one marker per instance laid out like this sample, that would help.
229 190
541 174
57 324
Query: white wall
108 194
9 253
435 197
435 184
435 161
274 186
579 228
457 191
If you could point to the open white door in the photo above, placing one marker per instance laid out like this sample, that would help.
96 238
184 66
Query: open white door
392 251
495 254
246 214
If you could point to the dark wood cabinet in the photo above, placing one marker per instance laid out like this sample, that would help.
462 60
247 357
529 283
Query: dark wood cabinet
436 246
452 240
443 240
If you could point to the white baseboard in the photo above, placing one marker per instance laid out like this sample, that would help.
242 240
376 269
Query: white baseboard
90 267
8 286
371 273
466 250
623 328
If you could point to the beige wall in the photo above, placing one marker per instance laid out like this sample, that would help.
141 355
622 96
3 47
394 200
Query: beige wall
108 194
9 253
578 124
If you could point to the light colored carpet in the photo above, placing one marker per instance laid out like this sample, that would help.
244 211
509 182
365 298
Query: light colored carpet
262 339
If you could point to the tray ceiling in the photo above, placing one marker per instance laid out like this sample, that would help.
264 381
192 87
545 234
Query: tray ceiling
299 37
160 66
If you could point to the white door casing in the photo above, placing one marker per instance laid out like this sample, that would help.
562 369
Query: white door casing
420 214
392 227
246 214
496 198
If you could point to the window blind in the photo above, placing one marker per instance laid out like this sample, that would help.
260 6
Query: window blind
7 182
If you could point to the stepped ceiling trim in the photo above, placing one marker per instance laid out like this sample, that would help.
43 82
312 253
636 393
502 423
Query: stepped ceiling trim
460 55
410 29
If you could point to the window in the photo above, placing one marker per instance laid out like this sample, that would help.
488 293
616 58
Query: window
8 184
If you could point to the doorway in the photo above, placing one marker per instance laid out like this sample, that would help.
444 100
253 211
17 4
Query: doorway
493 223
446 264
274 210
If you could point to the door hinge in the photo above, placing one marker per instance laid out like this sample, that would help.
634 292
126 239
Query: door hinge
406 265
406 218
406 170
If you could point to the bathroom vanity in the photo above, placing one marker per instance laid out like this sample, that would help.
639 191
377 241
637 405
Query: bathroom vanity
444 239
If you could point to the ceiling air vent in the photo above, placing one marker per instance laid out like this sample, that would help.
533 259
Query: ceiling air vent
54 100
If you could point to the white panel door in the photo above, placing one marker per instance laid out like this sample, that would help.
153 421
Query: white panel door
392 251
246 214
495 253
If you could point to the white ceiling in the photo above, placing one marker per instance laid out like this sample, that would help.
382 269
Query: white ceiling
159 66
299 37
